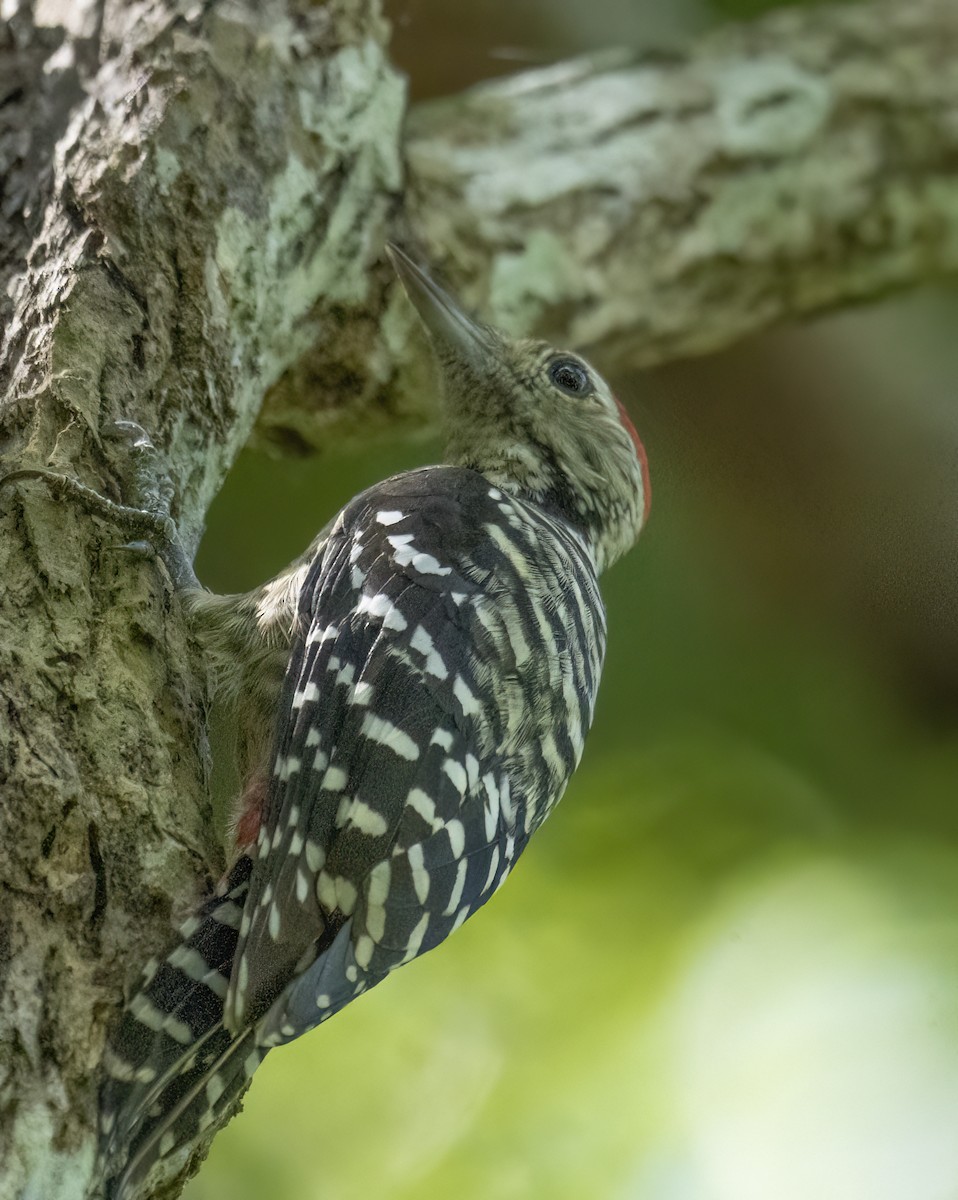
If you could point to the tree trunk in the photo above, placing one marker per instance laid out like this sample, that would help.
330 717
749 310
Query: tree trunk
194 199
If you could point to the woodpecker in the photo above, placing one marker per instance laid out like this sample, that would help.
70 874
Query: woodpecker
413 694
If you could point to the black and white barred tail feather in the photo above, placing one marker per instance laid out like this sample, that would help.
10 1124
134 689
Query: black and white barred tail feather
171 1069
196 1103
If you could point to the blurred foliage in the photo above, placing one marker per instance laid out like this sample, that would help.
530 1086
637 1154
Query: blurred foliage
445 48
742 10
727 968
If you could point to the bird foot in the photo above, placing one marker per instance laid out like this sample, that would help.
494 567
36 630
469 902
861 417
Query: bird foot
145 519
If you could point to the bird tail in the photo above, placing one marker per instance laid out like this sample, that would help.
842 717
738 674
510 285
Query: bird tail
172 1072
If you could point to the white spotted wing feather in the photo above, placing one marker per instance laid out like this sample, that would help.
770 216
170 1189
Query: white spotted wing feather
406 778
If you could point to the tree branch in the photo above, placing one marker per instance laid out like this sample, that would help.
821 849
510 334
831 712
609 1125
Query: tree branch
666 209
652 210
182 184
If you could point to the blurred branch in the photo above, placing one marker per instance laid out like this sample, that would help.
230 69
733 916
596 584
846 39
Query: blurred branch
663 209
649 208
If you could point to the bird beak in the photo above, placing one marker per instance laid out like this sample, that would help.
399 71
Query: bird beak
449 327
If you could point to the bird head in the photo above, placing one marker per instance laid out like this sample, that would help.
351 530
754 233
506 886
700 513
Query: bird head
537 421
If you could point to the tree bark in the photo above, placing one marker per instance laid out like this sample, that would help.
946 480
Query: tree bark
184 185
194 199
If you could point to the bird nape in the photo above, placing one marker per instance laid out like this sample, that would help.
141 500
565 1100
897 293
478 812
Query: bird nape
412 695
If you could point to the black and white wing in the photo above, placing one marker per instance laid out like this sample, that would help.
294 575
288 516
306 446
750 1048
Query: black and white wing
406 776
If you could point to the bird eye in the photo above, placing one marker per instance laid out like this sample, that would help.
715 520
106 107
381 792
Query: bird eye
569 376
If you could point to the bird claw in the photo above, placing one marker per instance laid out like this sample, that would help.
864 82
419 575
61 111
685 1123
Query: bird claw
147 516
138 549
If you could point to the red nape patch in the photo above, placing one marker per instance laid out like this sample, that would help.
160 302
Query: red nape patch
250 808
640 454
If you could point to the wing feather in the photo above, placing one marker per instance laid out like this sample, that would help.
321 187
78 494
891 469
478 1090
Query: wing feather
395 803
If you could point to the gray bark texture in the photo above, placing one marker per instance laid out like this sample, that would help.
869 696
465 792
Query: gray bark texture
194 198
